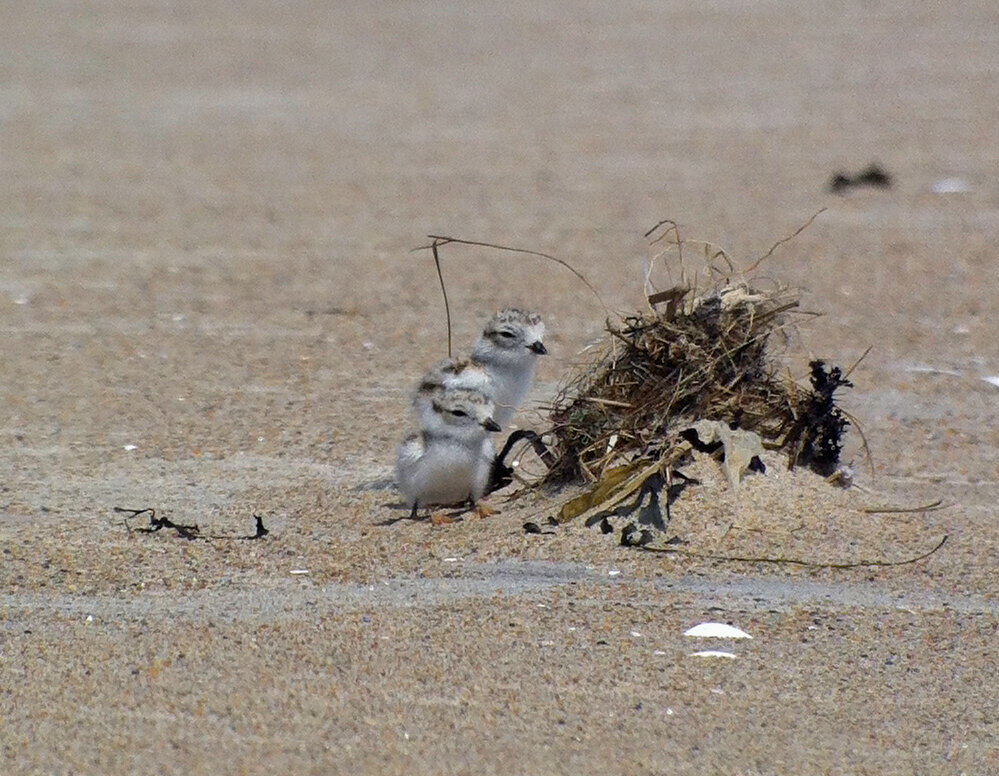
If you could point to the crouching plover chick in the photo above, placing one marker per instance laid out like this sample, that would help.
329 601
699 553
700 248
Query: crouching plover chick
450 461
508 350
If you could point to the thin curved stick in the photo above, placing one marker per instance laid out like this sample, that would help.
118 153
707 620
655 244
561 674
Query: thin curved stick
797 562
783 240
857 362
863 441
933 506
444 240
675 229
447 307
663 222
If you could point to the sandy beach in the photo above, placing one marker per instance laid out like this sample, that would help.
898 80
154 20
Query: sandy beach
210 305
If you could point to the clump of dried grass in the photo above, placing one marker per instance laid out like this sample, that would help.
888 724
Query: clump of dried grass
665 369
694 355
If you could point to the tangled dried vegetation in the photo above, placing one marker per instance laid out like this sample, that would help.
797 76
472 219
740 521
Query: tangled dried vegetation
696 355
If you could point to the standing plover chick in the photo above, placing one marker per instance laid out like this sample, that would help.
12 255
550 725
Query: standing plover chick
450 461
508 350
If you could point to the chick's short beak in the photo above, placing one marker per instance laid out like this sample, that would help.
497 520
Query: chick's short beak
538 347
491 425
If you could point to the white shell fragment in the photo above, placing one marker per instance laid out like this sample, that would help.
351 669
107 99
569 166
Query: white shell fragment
931 370
299 571
992 380
951 186
716 630
713 653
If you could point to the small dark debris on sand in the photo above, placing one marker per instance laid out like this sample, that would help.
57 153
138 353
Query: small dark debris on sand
874 176
189 532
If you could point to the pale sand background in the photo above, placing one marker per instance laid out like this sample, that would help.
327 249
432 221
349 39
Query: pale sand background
205 223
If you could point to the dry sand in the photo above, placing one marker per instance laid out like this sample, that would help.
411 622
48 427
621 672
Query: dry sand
208 306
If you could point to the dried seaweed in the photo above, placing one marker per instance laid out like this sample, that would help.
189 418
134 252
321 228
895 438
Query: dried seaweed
190 532
818 434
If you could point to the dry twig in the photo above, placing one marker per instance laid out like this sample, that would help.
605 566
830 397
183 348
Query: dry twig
796 561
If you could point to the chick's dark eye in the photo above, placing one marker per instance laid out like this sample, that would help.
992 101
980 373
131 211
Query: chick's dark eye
506 334
459 413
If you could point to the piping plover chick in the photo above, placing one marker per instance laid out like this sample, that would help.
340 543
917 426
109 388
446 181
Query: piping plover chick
447 375
508 350
450 461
